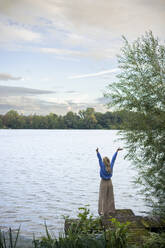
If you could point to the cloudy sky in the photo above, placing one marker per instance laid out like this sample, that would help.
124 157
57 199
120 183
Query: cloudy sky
59 55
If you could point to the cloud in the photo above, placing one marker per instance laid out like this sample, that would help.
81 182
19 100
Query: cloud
71 92
6 91
6 77
61 51
114 17
30 105
17 33
90 27
77 40
84 16
26 103
102 100
100 73
96 53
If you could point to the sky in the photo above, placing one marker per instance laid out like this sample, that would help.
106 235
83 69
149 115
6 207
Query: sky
60 55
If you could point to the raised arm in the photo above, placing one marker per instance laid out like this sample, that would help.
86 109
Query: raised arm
99 156
114 157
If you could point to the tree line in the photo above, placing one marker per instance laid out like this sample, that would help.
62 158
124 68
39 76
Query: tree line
84 119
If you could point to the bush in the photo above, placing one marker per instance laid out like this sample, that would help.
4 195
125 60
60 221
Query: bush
155 240
117 237
86 224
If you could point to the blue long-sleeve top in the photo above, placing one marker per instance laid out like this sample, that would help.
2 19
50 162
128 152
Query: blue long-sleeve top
103 173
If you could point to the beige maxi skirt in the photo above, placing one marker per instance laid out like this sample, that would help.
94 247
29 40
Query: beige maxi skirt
106 203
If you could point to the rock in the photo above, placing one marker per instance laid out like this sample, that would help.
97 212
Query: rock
138 228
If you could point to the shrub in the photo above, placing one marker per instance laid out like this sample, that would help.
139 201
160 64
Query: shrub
117 237
155 240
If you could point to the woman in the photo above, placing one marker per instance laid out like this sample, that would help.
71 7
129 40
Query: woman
106 197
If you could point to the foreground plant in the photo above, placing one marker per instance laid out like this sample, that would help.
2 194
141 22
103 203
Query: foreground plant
71 240
8 242
117 236
87 232
85 223
155 240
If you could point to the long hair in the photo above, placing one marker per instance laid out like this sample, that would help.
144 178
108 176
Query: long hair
106 162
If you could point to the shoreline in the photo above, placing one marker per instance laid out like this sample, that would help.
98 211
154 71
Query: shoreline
138 227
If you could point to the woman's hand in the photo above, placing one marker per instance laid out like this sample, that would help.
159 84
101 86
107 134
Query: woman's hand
119 149
97 149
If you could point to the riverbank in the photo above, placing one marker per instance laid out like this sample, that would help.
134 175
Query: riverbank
139 227
122 229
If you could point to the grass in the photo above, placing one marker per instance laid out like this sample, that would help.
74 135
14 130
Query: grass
86 233
8 242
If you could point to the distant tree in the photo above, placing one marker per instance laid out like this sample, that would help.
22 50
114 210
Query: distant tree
61 123
140 89
85 119
88 118
11 119
52 120
22 121
110 120
71 120
35 122
39 122
100 120
1 122
43 122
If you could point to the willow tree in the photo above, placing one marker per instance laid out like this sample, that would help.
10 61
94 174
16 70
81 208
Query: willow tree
140 88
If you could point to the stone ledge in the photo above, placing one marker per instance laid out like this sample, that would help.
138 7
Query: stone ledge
138 228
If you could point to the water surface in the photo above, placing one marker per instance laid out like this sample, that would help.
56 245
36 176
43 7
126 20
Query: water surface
45 174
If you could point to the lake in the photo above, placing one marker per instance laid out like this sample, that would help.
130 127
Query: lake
45 174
